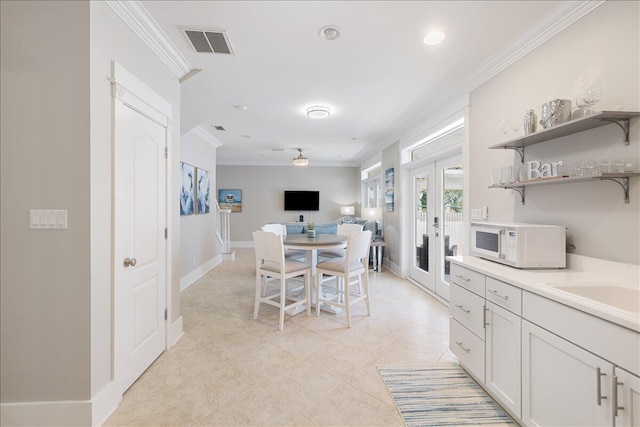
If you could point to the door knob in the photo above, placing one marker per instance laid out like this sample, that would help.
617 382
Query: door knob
130 262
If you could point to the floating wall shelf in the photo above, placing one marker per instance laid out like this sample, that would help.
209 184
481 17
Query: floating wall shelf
621 178
602 118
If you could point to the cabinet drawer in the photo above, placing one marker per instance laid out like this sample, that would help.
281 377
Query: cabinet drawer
468 309
504 295
468 348
468 279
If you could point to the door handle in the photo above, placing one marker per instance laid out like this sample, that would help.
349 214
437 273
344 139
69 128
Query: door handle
130 262
506 297
616 408
466 350
599 396
461 307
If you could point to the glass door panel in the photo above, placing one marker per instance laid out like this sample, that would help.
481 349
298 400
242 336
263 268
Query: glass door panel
450 174
438 227
423 232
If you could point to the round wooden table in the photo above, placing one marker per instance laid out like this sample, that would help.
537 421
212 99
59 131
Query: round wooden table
311 245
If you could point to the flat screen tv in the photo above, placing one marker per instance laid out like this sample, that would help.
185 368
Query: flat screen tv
301 200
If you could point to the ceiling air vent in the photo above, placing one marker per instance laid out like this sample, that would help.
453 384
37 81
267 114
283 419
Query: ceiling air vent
209 41
218 127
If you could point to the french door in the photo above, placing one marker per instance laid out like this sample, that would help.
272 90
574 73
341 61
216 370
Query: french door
437 221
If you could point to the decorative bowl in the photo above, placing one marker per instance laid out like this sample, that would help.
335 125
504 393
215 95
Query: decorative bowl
555 112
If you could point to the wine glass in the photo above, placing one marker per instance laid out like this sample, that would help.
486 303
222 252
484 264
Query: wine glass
504 126
590 95
583 109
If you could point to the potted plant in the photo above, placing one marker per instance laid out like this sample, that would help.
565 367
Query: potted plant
311 232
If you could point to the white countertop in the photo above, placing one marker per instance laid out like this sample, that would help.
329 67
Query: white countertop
582 270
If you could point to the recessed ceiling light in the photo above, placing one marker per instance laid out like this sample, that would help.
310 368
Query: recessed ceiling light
240 107
245 136
434 37
318 112
330 32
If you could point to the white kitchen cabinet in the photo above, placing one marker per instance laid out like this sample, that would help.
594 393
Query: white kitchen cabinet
626 398
562 384
468 348
503 356
468 309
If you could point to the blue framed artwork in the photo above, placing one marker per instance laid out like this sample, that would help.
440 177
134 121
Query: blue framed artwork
187 189
388 190
230 199
202 191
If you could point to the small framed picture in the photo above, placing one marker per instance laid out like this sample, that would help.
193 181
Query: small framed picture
230 199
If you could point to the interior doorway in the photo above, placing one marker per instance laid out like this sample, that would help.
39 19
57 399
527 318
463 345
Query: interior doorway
140 220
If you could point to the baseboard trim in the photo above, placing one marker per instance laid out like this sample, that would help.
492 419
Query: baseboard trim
175 332
190 278
392 267
48 413
104 403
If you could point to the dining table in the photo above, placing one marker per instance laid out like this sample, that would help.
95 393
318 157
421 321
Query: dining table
311 246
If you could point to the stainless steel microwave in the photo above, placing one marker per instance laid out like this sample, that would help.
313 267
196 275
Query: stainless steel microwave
520 245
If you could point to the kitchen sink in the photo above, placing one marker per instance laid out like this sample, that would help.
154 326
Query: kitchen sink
627 299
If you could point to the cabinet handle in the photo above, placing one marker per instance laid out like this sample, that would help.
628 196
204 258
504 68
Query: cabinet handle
484 316
599 396
498 295
462 308
462 278
466 350
614 397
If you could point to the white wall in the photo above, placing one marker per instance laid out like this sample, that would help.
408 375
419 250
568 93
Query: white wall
198 242
603 46
263 194
45 275
56 143
113 40
392 220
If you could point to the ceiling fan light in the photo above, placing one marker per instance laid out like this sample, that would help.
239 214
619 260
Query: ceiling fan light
300 160
318 112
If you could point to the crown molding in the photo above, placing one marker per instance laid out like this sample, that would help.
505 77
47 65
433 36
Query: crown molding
560 17
203 133
147 29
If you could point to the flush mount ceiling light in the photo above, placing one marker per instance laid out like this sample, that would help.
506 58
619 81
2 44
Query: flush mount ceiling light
318 112
434 37
300 160
330 32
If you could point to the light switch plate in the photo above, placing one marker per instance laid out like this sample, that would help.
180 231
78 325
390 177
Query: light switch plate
485 212
476 214
48 219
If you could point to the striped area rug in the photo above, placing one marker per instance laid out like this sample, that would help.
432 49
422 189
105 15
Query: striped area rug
441 396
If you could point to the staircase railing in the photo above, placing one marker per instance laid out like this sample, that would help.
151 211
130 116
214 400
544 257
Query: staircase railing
223 228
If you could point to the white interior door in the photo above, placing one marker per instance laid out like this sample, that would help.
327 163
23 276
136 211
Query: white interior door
139 242
437 222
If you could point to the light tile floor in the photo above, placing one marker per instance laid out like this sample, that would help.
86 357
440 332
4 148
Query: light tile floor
231 370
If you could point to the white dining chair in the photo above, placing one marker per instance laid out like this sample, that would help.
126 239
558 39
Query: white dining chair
343 230
271 263
281 230
355 263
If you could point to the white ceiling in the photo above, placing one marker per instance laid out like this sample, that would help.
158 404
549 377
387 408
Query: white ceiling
379 78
